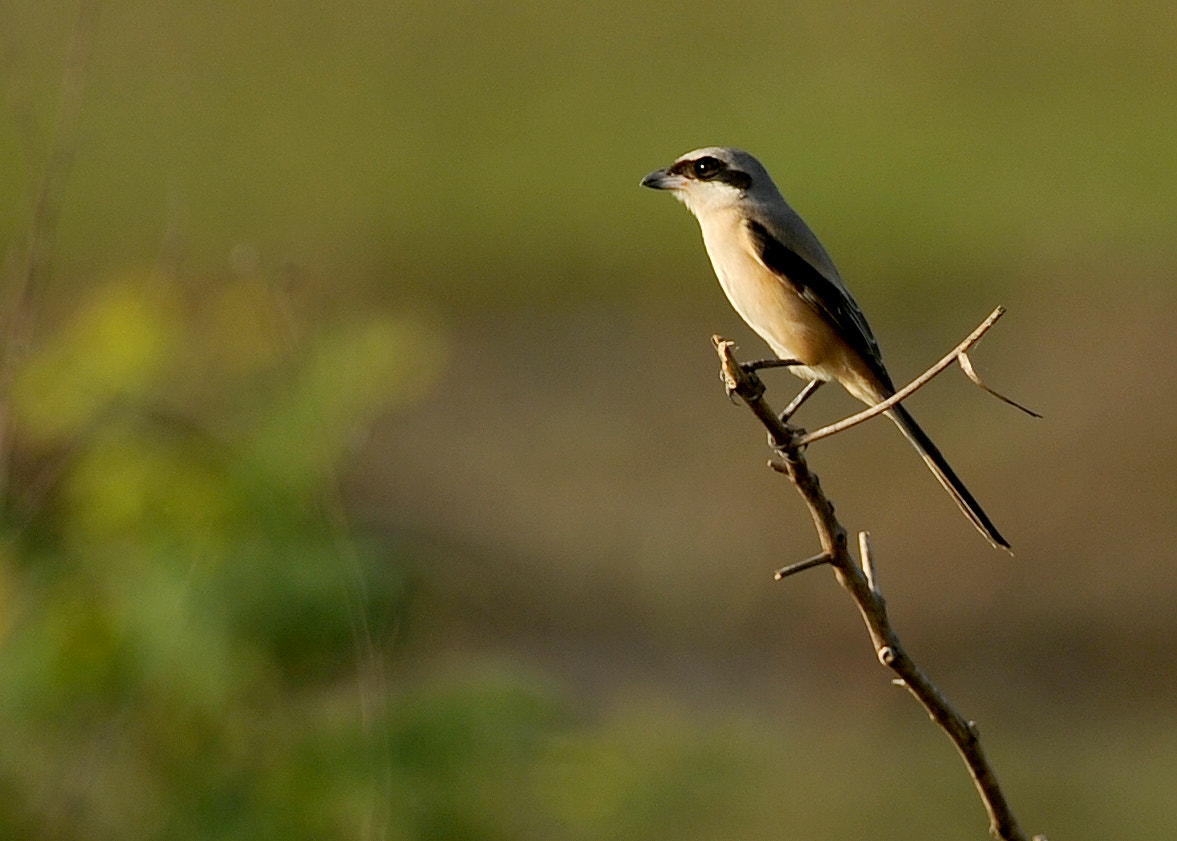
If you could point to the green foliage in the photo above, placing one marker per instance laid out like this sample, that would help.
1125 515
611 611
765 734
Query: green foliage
181 608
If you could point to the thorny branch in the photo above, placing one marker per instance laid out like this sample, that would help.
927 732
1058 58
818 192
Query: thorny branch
859 579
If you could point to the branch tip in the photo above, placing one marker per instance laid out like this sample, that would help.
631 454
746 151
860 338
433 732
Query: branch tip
966 365
801 566
736 379
868 563
909 389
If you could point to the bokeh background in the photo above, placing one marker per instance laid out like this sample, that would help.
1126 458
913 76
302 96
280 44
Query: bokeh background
366 473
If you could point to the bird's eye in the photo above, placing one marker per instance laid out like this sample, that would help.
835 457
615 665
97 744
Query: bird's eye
707 168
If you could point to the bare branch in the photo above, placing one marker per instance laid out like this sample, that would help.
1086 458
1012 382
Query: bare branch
816 561
966 365
860 581
749 388
868 562
909 389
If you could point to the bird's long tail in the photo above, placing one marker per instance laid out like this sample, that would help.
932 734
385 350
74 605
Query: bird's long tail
945 474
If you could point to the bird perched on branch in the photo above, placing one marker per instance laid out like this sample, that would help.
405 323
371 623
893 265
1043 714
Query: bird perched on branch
782 282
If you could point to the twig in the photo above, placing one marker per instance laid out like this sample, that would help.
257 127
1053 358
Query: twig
966 365
860 582
916 384
868 561
792 569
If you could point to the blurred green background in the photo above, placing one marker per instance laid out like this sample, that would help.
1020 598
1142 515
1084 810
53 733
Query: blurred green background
366 473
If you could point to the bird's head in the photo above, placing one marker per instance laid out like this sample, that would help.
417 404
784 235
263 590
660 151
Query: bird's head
713 178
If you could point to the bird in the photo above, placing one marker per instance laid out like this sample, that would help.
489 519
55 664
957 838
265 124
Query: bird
782 282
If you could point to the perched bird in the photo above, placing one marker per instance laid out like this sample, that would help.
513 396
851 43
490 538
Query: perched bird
783 283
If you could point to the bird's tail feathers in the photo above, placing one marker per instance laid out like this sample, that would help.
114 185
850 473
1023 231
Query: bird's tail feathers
946 475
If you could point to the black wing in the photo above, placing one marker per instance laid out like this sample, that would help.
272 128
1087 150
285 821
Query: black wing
829 299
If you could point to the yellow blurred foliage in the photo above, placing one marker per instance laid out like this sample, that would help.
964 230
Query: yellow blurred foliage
128 484
116 342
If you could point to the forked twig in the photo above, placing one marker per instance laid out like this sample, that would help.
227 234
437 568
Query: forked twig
966 365
957 354
809 563
860 580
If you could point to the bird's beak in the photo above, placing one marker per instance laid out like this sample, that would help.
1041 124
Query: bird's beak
662 179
